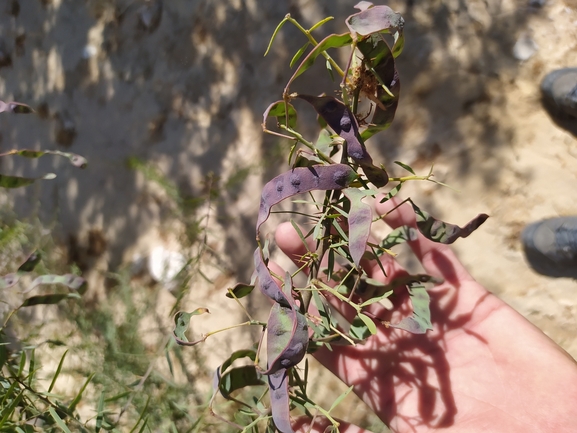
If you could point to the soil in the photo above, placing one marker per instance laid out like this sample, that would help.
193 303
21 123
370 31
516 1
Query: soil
182 85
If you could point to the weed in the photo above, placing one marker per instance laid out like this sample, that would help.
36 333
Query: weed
338 165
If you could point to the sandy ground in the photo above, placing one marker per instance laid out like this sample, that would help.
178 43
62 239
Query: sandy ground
185 90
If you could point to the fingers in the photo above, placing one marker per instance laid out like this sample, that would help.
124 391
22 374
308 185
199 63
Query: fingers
437 259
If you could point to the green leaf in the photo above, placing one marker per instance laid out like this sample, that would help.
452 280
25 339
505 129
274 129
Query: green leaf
58 420
246 353
399 44
300 235
442 232
359 329
359 221
320 23
341 397
238 378
181 321
278 27
278 110
17 181
324 142
49 299
3 353
331 41
117 396
57 372
420 321
142 416
31 262
15 107
8 411
393 192
299 53
405 166
368 322
398 236
31 366
240 290
100 413
76 160
74 403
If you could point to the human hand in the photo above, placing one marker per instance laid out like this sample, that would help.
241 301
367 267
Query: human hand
483 367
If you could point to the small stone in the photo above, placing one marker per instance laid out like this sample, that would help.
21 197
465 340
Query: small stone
525 47
89 51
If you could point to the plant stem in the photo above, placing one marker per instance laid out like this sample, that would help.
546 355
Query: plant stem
307 143
313 41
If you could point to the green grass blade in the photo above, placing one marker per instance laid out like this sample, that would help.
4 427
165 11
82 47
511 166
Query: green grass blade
78 397
58 420
143 425
31 365
100 414
10 409
57 373
22 363
141 416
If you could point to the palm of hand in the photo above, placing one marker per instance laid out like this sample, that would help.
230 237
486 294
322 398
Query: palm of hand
484 368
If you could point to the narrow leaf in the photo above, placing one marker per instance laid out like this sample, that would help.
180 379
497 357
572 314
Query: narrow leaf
240 290
285 19
31 262
359 221
420 321
321 22
442 232
76 160
17 181
341 397
369 323
331 41
100 413
15 107
181 322
57 372
74 403
298 54
405 166
58 420
397 236
49 299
